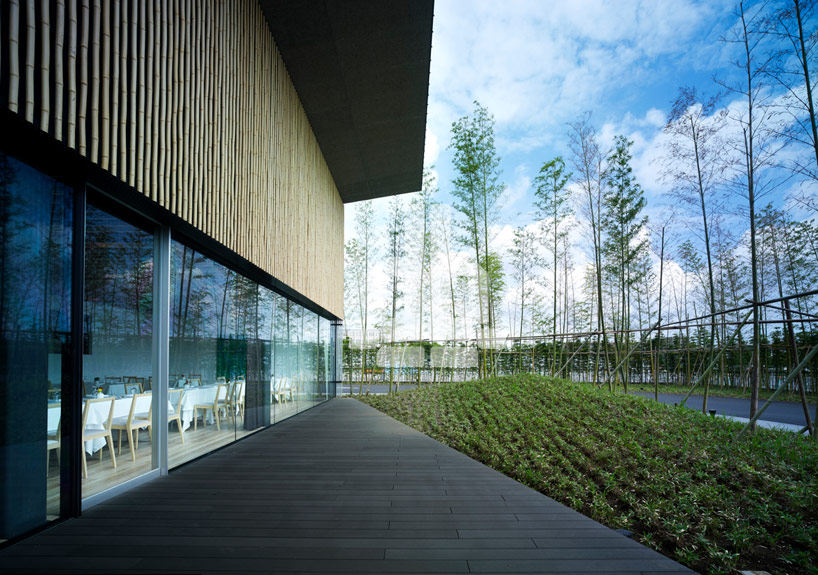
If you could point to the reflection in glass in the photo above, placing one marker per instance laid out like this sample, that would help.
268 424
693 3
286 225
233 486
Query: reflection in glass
217 356
117 367
35 306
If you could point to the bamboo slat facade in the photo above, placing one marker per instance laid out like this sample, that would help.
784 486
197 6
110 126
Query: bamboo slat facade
189 102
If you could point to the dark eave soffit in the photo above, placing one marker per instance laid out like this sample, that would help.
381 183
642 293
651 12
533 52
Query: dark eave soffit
361 70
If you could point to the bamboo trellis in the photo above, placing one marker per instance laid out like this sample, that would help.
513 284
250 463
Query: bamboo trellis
189 102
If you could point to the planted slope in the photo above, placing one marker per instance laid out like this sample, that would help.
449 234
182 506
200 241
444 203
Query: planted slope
684 483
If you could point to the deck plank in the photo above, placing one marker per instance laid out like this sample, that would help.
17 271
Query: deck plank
339 488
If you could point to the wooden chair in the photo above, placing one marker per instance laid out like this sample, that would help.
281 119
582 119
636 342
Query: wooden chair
175 398
194 381
133 388
133 422
237 401
221 394
283 390
226 403
105 432
133 380
52 443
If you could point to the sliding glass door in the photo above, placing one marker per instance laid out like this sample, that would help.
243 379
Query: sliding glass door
36 218
117 406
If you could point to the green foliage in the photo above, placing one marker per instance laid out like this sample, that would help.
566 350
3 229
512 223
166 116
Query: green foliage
622 219
684 483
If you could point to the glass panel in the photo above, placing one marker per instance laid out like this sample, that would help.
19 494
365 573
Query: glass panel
297 343
218 377
35 306
117 366
310 344
284 359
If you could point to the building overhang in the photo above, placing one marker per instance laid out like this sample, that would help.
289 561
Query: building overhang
361 70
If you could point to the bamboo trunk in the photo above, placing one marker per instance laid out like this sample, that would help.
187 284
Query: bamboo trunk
31 33
72 74
114 123
95 83
132 94
14 54
59 49
143 109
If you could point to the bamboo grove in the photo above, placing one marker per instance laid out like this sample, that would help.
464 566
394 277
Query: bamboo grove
714 286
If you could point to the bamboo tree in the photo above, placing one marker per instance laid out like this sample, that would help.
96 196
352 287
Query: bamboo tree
445 234
476 192
360 252
524 262
396 250
757 150
789 68
425 247
587 160
623 223
552 208
694 151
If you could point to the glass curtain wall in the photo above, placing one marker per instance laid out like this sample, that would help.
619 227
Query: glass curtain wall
214 316
35 331
117 355
241 356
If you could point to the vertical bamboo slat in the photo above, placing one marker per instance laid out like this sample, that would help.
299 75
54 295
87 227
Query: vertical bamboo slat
132 93
83 103
174 201
122 146
153 97
59 48
184 95
105 74
164 155
72 73
138 164
45 64
111 127
31 31
14 54
190 103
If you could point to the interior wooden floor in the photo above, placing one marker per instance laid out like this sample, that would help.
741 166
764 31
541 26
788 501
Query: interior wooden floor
101 472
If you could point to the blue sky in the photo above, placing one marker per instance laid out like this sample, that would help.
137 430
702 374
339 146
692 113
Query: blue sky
538 65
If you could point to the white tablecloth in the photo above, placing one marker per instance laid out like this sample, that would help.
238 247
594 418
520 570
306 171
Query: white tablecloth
53 418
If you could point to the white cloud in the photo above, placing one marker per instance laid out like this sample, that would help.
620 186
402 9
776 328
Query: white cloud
431 149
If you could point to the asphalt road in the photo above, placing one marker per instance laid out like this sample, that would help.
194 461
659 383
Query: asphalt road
780 411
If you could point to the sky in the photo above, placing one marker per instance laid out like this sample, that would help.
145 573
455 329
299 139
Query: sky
539 65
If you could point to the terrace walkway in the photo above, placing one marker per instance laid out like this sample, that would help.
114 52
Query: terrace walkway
339 488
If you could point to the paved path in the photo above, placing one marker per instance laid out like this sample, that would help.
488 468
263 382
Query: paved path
779 411
340 488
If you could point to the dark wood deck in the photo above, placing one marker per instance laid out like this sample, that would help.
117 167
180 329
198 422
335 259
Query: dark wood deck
339 488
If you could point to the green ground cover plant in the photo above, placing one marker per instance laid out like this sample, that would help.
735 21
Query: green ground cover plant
684 483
